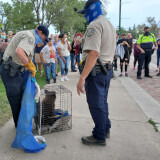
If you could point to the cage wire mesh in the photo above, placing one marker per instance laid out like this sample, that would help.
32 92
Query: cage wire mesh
54 110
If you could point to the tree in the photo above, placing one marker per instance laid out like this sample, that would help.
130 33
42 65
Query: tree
153 24
59 13
18 16
5 13
68 20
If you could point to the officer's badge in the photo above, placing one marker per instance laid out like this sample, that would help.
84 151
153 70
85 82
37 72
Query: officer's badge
90 32
150 37
30 41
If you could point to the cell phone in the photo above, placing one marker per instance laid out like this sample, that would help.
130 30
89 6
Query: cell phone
6 40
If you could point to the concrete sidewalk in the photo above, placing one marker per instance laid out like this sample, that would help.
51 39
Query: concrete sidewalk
132 137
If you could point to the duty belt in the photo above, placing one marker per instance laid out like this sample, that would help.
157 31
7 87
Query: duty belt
97 68
13 67
107 66
148 50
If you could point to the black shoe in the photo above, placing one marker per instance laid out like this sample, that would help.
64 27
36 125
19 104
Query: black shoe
48 81
108 135
148 76
54 81
120 75
73 70
115 69
126 74
158 74
139 77
92 141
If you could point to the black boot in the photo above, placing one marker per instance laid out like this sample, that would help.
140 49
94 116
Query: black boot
54 80
90 140
48 81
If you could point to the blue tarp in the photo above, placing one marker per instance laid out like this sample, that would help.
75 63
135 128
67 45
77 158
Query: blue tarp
24 137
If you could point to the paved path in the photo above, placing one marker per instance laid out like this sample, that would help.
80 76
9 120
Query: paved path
132 137
151 86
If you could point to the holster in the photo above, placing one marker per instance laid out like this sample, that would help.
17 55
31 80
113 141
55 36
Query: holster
13 67
97 68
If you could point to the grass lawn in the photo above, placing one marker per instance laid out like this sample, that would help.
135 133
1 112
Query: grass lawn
5 110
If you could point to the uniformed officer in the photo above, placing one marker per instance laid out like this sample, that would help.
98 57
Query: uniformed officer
16 59
145 45
99 43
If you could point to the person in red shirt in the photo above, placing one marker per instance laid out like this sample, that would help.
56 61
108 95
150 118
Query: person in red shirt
78 49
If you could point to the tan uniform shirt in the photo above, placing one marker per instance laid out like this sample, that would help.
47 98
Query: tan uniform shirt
101 37
24 40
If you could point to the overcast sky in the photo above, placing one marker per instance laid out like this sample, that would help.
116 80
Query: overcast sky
133 11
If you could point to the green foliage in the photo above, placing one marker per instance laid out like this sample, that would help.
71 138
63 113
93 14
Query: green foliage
18 16
65 19
153 124
5 111
123 30
1 25
22 16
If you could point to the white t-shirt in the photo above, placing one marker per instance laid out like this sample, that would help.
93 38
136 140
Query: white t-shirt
64 49
47 51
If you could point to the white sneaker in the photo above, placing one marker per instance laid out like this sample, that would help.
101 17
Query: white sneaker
62 79
66 78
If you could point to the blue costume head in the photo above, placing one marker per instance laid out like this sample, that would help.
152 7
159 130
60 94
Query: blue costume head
92 10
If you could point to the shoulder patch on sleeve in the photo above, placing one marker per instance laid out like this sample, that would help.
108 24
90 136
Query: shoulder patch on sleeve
30 41
90 32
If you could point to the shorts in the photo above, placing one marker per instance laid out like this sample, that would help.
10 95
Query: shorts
38 58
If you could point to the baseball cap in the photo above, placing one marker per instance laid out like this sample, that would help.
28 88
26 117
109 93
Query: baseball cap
88 3
146 27
44 30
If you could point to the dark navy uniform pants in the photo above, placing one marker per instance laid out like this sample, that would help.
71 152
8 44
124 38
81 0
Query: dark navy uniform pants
97 92
144 59
14 88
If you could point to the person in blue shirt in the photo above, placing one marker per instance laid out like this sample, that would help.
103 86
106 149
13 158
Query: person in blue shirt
56 40
38 60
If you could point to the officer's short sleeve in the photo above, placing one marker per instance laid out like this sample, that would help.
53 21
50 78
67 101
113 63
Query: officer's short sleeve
27 43
154 38
139 40
93 38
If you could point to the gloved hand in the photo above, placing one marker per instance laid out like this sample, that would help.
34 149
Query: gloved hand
31 67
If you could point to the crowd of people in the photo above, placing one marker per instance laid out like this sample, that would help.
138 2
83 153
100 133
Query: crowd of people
58 51
142 51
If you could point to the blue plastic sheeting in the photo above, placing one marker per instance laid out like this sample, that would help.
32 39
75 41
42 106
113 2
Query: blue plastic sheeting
24 137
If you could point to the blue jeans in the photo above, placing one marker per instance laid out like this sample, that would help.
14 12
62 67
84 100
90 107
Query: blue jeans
72 61
50 68
97 92
158 57
64 66
78 59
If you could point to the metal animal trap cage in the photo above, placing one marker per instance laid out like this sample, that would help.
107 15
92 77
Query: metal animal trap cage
54 110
